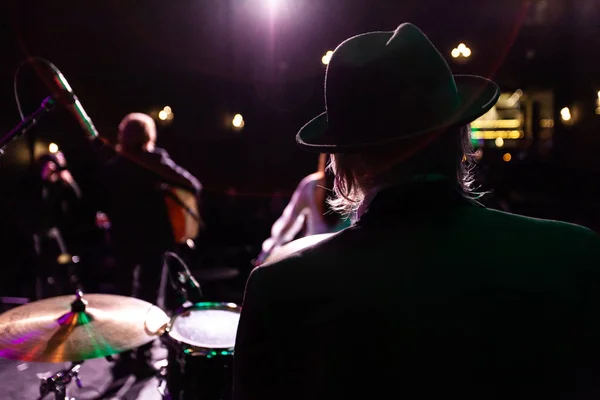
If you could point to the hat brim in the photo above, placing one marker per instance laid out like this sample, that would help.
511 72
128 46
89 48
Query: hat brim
477 94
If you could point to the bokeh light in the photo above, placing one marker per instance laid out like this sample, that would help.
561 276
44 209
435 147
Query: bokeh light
461 51
166 114
327 57
53 148
499 142
507 157
238 121
565 114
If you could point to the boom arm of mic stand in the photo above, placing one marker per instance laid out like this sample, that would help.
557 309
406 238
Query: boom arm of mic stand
28 123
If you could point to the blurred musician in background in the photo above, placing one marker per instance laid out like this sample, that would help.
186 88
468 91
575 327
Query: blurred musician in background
143 185
55 195
307 214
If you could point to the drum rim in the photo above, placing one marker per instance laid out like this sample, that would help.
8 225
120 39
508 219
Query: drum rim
190 349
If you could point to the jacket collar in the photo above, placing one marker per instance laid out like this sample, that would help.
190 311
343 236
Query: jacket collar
418 198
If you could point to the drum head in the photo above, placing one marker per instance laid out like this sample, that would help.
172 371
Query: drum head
207 326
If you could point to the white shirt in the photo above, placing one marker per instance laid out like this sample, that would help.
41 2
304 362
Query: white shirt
302 210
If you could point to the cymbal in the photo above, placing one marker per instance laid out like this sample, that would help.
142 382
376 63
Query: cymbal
72 328
296 245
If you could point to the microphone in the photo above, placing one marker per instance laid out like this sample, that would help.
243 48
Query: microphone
182 280
27 123
65 96
62 94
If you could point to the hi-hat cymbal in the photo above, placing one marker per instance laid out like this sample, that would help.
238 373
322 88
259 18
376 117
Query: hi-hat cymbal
296 245
71 328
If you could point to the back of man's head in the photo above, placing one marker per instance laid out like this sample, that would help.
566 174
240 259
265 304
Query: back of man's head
447 153
137 132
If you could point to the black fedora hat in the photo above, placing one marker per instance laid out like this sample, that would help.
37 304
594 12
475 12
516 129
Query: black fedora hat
382 87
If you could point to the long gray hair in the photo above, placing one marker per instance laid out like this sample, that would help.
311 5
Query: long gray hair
448 153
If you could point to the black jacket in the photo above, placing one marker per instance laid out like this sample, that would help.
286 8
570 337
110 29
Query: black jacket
427 296
134 199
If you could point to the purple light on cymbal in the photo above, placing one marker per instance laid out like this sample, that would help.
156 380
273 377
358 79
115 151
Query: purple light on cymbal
25 338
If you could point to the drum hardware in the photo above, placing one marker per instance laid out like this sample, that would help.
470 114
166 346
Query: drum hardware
181 279
163 389
58 382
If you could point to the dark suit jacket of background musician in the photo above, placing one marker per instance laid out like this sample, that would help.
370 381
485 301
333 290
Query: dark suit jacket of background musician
428 295
135 202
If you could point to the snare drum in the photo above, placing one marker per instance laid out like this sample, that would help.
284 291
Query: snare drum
200 340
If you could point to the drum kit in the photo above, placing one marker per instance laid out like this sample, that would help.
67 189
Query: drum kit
199 338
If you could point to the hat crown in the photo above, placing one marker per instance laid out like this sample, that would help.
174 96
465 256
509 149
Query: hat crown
379 77
386 86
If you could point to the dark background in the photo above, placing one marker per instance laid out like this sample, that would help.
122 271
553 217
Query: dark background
211 59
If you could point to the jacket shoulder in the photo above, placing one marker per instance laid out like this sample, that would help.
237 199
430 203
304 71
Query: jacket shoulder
539 230
521 221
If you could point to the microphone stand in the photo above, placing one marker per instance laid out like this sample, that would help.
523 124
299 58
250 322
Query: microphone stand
28 123
182 281
58 382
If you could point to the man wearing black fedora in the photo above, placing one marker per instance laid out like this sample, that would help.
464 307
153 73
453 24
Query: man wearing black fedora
428 294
